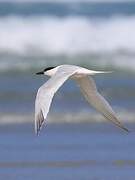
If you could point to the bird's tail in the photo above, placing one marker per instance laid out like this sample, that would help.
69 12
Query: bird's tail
100 72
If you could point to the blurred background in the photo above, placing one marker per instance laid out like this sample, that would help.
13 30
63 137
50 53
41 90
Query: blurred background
98 35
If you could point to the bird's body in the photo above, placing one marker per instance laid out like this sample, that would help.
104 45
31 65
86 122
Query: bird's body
87 85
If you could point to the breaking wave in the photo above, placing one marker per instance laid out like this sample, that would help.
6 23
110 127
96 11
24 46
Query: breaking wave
71 35
82 117
43 40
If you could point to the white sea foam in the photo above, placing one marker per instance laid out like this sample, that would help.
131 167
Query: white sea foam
80 117
111 40
69 35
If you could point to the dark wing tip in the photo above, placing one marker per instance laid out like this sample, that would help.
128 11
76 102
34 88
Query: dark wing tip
123 127
127 130
39 122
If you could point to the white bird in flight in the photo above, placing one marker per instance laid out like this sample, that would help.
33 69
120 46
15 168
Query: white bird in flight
87 85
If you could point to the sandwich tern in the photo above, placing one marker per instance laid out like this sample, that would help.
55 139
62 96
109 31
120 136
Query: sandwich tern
87 85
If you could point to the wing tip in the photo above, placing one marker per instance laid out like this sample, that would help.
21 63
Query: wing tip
126 129
36 132
39 119
120 125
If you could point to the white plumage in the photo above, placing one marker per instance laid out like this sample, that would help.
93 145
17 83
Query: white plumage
87 85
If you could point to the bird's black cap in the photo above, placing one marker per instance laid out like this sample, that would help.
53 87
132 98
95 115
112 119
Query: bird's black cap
49 68
46 69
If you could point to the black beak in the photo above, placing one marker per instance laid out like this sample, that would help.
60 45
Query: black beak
39 73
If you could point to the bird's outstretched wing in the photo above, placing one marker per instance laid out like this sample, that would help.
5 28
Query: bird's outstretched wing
46 92
89 90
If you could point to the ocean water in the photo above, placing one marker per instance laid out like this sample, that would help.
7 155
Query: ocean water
91 34
94 35
76 142
82 151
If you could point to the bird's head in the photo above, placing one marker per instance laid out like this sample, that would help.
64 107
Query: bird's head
50 71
